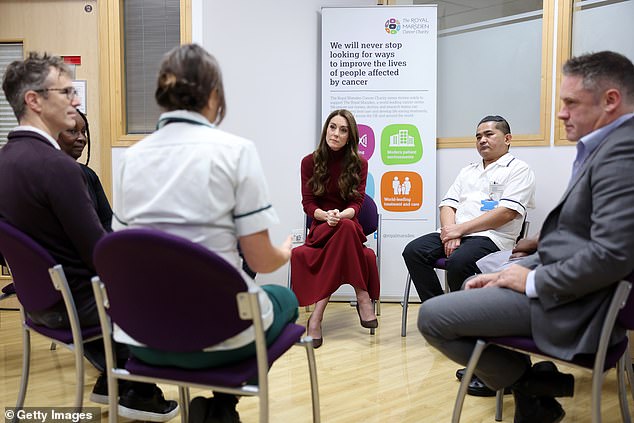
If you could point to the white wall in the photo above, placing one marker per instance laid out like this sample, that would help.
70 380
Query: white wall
269 53
270 56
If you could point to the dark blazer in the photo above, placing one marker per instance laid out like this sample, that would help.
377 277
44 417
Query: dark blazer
98 197
43 193
586 245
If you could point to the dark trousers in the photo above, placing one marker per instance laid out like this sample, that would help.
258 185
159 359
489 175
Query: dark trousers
421 254
56 317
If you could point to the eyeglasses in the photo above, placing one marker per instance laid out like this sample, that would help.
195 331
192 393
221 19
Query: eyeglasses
70 92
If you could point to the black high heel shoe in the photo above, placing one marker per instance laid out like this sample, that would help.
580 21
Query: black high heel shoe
368 324
317 342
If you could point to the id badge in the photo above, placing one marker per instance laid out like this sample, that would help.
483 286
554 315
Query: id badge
495 193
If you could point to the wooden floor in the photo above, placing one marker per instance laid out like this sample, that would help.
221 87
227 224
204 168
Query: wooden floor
362 378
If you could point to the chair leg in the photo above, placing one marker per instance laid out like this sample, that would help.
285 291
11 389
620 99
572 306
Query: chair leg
79 372
499 404
597 383
620 373
466 378
405 304
53 346
26 365
263 396
374 305
629 371
314 387
183 398
113 396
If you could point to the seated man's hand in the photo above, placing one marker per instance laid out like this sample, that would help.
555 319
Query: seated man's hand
452 231
513 277
451 245
481 281
524 247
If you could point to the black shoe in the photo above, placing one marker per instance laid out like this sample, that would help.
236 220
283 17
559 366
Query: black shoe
198 410
152 408
223 409
544 379
99 392
477 388
544 366
530 409
95 354
460 373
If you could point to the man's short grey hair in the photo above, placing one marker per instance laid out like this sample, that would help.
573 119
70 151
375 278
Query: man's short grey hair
29 74
603 70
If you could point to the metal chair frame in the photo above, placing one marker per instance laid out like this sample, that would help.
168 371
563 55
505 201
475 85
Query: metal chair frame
623 365
440 264
59 282
249 309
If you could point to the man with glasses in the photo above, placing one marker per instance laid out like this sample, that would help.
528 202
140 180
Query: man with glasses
44 194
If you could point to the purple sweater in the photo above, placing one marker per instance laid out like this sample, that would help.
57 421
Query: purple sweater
43 193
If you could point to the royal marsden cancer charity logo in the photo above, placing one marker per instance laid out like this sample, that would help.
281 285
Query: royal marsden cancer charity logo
392 26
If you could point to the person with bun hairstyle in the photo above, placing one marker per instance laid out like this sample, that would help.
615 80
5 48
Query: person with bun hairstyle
333 188
193 180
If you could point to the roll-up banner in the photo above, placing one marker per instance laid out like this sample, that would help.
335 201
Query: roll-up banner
380 63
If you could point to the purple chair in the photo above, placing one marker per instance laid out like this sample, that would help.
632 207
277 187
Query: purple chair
8 291
369 219
40 283
137 271
621 312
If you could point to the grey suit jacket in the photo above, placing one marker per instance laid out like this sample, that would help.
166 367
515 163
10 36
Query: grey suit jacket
586 245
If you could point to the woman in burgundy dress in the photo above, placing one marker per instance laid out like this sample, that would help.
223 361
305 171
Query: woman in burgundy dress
333 188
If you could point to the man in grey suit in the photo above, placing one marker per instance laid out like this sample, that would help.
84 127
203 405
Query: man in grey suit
559 295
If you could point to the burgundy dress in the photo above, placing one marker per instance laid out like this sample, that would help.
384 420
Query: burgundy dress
332 256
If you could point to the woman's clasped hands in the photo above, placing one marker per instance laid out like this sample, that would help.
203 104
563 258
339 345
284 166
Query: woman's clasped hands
333 217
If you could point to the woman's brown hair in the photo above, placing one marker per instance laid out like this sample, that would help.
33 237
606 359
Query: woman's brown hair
188 76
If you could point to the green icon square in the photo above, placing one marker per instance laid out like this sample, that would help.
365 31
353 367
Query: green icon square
401 144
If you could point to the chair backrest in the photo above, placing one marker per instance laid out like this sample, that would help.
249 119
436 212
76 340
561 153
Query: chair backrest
368 216
625 318
29 263
167 292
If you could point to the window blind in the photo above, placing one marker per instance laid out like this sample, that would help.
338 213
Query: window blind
151 29
8 53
